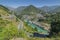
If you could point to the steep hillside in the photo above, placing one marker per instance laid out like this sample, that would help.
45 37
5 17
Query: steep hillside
6 14
8 24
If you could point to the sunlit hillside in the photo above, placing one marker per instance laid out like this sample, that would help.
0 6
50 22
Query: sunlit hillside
8 24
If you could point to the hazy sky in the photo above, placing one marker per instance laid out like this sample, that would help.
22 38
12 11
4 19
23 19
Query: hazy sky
38 3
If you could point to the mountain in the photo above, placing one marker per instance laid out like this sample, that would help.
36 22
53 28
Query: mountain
57 9
49 8
45 8
30 10
19 9
10 8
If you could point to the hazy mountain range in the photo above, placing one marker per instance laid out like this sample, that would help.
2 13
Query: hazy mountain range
49 8
44 8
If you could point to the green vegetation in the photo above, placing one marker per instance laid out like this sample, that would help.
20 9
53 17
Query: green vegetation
9 26
55 29
4 8
54 20
22 34
8 29
49 18
31 10
29 28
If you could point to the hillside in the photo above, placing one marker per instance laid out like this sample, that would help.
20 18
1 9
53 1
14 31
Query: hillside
19 9
5 14
31 10
8 23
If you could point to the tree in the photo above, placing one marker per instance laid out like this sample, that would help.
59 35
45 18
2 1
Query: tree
55 28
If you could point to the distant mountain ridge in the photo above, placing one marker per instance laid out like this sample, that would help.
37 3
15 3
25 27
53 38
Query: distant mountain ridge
44 8
57 9
20 8
50 8
10 8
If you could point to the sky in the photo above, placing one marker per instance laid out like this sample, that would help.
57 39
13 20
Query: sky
38 3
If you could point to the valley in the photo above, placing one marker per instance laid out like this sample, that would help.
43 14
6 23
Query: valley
29 23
